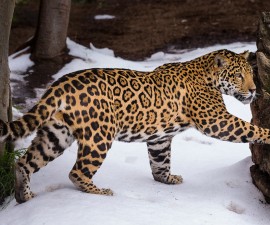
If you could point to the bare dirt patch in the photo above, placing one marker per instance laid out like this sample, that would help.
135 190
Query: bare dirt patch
142 27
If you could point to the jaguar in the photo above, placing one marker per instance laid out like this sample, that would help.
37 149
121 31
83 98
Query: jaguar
98 106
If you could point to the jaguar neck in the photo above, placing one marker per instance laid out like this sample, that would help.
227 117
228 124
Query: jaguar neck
202 75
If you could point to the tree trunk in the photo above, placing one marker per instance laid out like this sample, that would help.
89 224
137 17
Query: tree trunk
50 37
260 172
6 13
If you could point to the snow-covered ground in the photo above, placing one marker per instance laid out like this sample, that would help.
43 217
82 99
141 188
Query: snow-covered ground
217 188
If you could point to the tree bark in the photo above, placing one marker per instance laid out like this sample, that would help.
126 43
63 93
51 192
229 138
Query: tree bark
260 172
6 13
50 37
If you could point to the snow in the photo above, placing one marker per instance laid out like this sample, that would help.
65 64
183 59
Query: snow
217 186
104 17
19 62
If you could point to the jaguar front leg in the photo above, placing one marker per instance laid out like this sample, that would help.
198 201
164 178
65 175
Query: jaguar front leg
159 153
233 129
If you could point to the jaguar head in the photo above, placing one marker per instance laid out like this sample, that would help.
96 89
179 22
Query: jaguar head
235 75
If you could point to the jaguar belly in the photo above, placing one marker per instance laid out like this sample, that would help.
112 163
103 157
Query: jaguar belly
142 136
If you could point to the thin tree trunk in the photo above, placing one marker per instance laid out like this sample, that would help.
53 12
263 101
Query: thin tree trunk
6 13
50 37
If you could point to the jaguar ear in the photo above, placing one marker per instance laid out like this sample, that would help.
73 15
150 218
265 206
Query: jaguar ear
245 54
220 61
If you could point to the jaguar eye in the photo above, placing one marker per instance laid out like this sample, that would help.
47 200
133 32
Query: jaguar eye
239 76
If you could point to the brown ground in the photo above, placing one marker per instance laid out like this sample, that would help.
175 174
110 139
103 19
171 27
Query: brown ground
143 27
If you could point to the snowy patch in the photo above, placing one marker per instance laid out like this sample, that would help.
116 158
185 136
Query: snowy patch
104 17
104 51
19 62
236 208
157 56
16 113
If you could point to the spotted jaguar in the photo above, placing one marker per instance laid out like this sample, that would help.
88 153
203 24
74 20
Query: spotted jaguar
97 106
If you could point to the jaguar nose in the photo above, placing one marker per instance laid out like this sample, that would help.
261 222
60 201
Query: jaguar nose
252 90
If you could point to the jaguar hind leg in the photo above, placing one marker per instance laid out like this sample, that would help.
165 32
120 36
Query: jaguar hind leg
23 192
50 142
159 153
90 157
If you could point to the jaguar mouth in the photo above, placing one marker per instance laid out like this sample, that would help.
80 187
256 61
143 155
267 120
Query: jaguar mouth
244 99
248 100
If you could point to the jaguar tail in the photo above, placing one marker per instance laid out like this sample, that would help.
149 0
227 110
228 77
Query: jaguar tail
32 120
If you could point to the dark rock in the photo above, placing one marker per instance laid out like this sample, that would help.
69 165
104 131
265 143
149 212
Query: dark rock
260 172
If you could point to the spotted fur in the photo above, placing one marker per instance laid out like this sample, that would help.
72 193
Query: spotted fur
97 106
